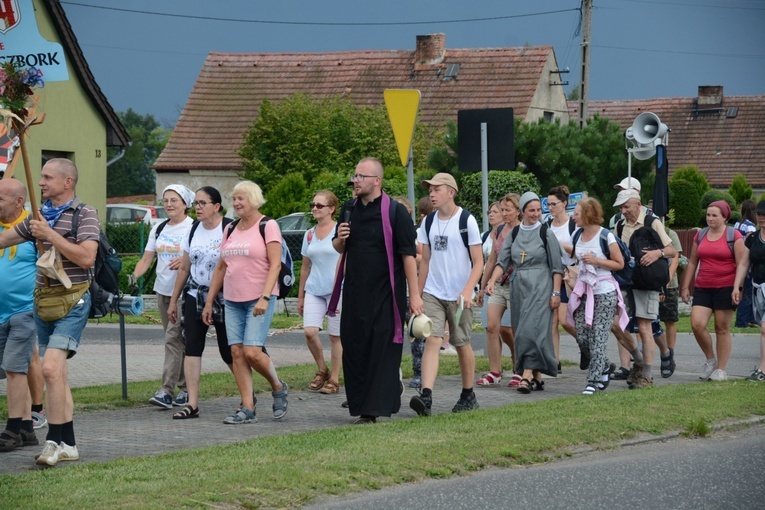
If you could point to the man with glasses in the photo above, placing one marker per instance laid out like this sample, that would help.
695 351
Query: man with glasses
377 239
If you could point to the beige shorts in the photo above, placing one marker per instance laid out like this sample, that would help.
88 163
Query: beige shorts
643 304
501 296
441 312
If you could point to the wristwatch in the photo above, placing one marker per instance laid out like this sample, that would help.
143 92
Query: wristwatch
267 298
556 294
662 254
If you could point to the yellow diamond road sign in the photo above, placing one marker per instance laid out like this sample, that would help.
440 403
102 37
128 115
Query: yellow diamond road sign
402 108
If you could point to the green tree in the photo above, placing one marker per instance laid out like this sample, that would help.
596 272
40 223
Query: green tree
592 159
740 189
500 184
692 174
132 174
318 138
686 204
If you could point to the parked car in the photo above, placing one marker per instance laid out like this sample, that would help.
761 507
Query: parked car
134 213
293 227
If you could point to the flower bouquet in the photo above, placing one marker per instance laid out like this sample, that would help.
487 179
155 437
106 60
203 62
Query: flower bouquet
16 91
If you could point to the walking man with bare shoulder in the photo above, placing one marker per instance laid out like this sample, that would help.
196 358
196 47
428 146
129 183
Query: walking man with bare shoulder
62 300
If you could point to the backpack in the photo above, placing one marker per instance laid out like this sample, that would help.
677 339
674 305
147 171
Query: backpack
655 276
730 234
624 275
464 215
104 284
195 225
542 233
486 234
286 272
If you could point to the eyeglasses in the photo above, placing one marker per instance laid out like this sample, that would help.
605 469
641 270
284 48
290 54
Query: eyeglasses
200 203
552 204
361 177
318 205
171 200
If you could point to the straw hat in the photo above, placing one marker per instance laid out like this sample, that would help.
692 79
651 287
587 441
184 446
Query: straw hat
420 326
50 265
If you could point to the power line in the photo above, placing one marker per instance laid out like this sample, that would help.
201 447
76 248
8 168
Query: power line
725 55
322 23
701 6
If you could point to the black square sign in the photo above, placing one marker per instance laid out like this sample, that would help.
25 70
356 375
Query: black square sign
500 139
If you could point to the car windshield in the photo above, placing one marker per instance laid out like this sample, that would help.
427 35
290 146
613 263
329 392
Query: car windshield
291 222
161 213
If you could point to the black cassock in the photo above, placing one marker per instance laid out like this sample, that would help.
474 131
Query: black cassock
371 360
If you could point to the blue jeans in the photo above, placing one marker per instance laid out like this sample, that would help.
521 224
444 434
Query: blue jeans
242 327
64 333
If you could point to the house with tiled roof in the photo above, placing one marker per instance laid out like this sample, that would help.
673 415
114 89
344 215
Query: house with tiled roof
230 89
79 123
722 135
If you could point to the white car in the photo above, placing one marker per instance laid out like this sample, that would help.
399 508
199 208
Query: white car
134 213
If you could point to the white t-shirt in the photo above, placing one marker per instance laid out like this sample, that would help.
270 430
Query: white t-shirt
167 247
204 253
450 266
324 257
564 237
593 246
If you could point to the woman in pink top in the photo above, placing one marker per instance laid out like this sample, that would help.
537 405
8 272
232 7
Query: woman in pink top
713 288
248 271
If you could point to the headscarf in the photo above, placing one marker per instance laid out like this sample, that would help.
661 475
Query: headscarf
185 193
723 206
526 198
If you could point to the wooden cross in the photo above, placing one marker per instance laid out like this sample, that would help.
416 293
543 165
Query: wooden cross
523 256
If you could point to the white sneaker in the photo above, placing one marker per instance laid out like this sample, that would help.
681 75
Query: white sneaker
49 455
450 350
718 375
67 452
707 369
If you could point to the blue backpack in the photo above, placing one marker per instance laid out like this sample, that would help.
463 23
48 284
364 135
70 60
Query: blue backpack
622 276
286 273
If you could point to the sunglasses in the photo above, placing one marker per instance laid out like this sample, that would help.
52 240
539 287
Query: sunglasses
317 205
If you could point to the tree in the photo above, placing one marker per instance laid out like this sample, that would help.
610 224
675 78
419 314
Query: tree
592 159
686 204
319 138
740 189
500 184
131 174
692 174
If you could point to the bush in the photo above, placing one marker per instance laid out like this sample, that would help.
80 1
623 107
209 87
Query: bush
692 174
128 238
128 266
740 189
500 184
686 204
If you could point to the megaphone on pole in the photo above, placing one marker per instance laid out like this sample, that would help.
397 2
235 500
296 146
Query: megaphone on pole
639 150
647 128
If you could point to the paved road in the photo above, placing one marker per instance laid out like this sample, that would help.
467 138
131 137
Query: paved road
726 470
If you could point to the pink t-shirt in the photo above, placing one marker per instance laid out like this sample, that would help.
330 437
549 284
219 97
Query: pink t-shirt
244 253
717 266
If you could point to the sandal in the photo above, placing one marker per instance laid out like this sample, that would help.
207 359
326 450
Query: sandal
330 388
489 379
590 389
186 413
524 386
514 381
668 364
318 380
537 385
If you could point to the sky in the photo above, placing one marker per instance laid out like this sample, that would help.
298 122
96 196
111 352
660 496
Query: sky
146 54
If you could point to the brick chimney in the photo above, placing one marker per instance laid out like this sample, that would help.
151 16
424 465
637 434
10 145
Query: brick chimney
710 96
431 49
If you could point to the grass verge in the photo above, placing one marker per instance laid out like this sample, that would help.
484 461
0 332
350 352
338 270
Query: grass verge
292 470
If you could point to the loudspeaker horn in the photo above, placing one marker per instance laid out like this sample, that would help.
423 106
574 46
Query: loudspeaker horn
643 153
647 128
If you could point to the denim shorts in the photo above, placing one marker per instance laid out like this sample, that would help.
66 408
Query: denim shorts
18 337
242 327
64 333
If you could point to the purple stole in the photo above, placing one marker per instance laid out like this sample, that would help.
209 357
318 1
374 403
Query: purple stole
398 334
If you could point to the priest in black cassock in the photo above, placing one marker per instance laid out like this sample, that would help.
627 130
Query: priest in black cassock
379 262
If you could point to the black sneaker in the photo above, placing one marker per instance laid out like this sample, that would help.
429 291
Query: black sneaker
466 404
621 374
421 404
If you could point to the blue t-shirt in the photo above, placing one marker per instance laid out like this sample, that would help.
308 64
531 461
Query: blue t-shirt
324 259
17 290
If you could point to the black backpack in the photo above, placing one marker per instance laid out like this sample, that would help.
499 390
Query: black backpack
655 276
104 282
622 276
571 224
286 272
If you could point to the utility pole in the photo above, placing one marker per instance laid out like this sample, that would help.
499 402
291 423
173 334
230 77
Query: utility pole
584 87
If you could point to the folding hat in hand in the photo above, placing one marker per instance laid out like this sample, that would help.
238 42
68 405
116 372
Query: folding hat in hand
50 265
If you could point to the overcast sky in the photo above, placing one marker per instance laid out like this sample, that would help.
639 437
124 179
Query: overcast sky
146 54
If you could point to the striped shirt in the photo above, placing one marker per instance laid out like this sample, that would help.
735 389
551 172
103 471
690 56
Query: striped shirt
88 229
